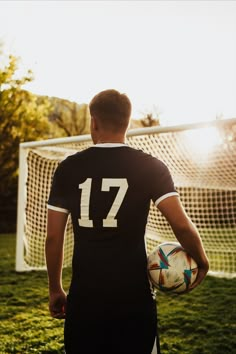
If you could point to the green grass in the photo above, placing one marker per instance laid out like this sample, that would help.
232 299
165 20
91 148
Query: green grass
202 322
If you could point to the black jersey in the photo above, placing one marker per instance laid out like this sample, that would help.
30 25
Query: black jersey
107 189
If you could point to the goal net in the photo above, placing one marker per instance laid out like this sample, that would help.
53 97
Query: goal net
202 161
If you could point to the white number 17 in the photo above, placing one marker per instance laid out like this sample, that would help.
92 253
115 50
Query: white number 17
107 183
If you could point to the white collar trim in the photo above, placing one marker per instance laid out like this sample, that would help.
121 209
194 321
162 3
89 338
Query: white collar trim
109 145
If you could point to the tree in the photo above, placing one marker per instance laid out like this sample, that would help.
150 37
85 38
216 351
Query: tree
69 118
149 121
23 117
151 117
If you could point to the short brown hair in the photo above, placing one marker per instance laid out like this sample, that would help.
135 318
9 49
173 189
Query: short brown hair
112 109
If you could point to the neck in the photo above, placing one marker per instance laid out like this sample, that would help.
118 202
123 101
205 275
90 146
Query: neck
102 139
110 142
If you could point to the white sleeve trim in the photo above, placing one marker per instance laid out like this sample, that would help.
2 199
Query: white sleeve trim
165 196
61 210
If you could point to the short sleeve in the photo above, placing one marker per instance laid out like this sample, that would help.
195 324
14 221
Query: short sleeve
59 195
162 185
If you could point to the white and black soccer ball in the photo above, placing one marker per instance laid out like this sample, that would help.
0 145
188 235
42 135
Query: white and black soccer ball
171 268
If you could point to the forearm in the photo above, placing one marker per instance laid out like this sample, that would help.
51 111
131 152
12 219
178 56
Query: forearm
190 239
54 261
184 230
56 226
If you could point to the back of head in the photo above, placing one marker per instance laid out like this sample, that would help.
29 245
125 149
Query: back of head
112 109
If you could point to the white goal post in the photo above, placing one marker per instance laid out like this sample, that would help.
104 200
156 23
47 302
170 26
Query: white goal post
202 161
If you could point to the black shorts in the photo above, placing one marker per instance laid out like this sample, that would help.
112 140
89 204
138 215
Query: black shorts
116 329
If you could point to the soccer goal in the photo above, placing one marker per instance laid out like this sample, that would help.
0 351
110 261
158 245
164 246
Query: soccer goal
202 161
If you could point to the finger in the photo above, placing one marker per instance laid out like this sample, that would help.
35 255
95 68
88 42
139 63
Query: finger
59 316
200 278
56 311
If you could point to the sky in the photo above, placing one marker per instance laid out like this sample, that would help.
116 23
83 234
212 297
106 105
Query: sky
176 59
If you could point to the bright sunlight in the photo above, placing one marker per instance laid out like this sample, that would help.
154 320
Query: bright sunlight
203 141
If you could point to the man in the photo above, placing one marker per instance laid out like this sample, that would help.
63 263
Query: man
107 189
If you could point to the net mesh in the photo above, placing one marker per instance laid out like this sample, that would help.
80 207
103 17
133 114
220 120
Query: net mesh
202 162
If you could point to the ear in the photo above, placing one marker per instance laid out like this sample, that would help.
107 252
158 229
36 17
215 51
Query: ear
94 123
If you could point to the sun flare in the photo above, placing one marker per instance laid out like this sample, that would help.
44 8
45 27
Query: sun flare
203 141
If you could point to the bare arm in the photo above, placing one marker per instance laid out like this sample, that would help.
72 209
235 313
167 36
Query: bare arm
186 233
56 224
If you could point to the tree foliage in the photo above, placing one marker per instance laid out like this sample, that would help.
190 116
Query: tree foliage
23 117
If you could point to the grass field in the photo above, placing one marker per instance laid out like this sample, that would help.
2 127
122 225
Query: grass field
202 322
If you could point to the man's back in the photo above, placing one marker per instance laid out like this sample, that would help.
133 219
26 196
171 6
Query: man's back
108 191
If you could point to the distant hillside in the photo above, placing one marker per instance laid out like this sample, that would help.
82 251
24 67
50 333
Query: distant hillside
69 118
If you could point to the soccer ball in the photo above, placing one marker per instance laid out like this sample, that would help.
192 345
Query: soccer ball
171 268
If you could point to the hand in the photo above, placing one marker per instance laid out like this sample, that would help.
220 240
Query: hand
202 272
57 304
